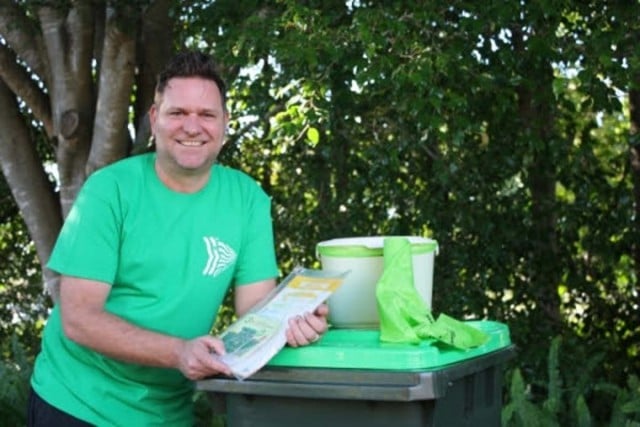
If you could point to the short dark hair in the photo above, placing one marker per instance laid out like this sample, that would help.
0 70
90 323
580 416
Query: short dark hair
191 63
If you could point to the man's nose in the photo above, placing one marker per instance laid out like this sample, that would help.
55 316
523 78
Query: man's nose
191 123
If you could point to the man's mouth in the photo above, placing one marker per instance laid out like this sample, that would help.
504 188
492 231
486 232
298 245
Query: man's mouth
190 143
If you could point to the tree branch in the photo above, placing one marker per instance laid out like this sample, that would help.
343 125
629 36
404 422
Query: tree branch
25 38
69 44
155 46
634 161
21 83
110 133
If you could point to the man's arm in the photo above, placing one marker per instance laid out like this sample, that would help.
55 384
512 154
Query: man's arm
85 321
247 296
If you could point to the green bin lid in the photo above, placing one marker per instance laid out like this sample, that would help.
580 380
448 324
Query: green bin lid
362 349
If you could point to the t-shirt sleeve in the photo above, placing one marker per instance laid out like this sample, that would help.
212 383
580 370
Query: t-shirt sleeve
257 259
87 245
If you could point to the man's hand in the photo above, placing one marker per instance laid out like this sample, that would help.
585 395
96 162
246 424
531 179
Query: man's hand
198 358
307 329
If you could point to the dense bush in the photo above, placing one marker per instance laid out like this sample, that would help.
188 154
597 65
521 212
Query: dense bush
576 403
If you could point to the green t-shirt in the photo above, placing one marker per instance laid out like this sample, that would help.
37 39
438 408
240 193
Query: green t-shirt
170 258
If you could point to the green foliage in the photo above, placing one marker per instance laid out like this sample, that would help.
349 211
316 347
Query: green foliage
568 403
15 372
209 411
226 315
519 411
626 406
23 304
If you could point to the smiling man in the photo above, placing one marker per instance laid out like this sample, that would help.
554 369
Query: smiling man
147 254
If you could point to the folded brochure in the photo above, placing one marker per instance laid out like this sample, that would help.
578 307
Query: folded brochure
256 337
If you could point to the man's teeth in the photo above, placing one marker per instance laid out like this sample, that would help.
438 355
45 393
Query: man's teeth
191 143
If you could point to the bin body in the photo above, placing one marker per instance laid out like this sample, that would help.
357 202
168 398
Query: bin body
474 399
467 391
245 411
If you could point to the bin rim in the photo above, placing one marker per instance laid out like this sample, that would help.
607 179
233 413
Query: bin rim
370 246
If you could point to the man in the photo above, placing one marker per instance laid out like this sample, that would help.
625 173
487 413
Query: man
146 255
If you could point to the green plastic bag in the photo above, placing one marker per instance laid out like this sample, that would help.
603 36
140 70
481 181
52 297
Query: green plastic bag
404 316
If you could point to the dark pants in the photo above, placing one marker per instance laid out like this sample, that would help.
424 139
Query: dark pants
41 414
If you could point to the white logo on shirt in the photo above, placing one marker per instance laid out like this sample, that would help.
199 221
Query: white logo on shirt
221 256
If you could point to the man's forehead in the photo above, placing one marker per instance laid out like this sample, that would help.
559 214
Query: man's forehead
181 90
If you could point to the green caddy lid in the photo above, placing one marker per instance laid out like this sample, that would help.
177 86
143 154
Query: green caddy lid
362 349
360 247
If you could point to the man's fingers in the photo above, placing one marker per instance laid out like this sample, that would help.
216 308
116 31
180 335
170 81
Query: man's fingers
305 329
317 323
322 310
200 358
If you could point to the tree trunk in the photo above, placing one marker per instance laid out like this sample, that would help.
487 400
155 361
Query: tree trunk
76 69
29 183
536 105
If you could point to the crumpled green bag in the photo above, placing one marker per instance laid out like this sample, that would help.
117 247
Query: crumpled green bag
404 316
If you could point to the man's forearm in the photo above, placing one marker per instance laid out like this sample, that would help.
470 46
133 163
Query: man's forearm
115 337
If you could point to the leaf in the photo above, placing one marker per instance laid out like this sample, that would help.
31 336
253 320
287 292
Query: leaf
583 414
313 135
552 404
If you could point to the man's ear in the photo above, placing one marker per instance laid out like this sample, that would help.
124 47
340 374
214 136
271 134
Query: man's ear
153 115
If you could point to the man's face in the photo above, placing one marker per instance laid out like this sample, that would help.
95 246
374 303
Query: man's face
188 121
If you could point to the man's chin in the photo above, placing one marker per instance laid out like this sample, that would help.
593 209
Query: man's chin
196 167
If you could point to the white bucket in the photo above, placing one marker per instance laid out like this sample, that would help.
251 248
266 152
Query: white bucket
354 305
